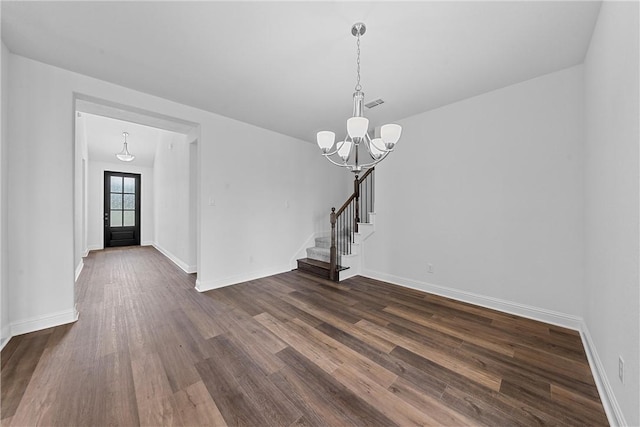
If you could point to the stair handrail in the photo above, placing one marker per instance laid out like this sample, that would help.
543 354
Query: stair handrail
354 211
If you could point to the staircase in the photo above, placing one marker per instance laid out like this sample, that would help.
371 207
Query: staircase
318 260
337 256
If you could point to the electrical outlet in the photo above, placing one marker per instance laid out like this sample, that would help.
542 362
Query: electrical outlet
430 268
621 369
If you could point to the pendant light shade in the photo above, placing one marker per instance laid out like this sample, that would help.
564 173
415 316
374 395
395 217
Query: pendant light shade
357 126
326 140
124 155
376 148
345 150
390 134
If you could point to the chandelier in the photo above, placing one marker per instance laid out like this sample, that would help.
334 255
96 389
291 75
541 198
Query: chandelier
124 155
377 148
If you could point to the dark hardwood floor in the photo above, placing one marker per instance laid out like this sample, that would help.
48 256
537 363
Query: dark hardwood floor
286 350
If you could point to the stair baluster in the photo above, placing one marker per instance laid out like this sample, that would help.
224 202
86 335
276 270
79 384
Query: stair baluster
347 218
333 254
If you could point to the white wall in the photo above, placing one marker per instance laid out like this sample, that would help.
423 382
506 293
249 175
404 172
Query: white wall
40 197
266 203
5 330
95 214
489 191
612 199
173 200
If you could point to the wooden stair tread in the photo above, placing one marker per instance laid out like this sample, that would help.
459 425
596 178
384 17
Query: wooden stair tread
319 263
317 268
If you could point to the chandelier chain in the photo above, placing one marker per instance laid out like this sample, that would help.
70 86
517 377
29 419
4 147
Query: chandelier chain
358 86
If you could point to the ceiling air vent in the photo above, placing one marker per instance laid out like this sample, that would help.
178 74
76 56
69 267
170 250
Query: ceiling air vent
374 103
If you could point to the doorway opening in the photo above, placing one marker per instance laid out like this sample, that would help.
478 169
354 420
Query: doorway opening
150 201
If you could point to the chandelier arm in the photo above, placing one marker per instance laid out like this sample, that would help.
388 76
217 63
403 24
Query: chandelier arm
375 162
344 165
337 148
331 153
370 141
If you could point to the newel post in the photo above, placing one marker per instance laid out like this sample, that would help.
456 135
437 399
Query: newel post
333 254
356 191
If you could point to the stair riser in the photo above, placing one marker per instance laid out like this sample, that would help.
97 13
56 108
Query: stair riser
323 242
316 271
321 254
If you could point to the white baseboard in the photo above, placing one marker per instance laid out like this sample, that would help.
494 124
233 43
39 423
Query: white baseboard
147 243
85 253
94 248
208 285
609 401
79 269
608 398
43 322
5 336
177 261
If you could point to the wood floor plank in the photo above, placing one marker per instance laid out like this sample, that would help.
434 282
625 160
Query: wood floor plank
569 399
227 395
443 359
328 397
453 332
544 402
313 351
393 407
348 357
427 383
442 414
16 376
287 350
196 407
273 407
153 391
354 330
121 407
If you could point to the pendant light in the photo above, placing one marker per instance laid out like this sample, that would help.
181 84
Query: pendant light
124 155
358 130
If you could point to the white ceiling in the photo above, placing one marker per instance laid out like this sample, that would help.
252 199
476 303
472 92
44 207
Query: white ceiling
290 66
104 139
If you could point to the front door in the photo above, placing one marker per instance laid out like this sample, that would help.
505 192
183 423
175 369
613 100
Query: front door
121 209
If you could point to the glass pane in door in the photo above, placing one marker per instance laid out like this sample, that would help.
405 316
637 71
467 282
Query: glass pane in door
116 184
129 201
129 185
116 201
129 218
116 218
